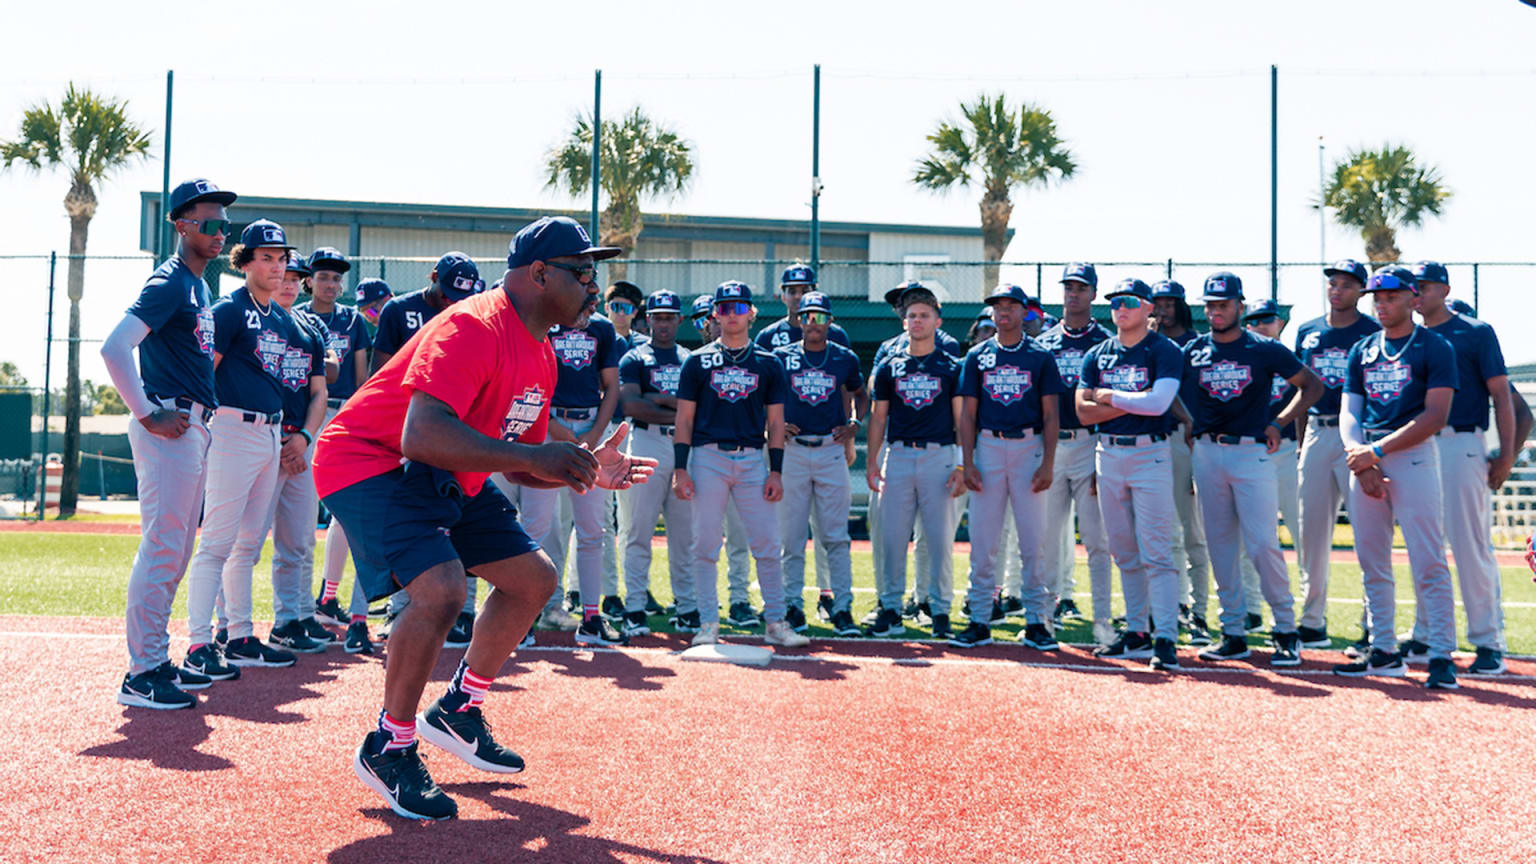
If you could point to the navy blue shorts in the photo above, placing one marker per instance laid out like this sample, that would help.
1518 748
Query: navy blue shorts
403 523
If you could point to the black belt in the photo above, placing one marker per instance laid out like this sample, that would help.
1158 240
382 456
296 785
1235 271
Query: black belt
575 413
732 446
1069 434
1232 439
919 445
641 424
1131 440
1473 428
809 442
257 417
187 403
335 401
1328 422
1011 434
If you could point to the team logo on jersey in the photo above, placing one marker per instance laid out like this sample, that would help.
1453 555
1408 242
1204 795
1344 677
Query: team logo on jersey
1128 378
1225 380
1006 384
665 378
295 371
1384 381
574 348
271 348
338 342
733 383
1331 365
1069 362
204 330
1277 389
524 412
918 390
812 386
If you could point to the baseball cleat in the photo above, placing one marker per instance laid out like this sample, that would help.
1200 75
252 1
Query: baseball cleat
924 614
780 633
941 628
467 735
1287 650
1038 637
687 622
635 624
1254 622
1127 646
558 619
191 680
1413 651
1165 658
1013 607
612 608
1379 663
357 638
1314 637
1066 608
597 631
1442 675
708 634
208 661
842 624
1231 648
824 609
462 631
330 612
314 630
1488 662
651 606
249 651
292 636
743 615
401 779
888 623
1199 631
154 689
974 635
795 617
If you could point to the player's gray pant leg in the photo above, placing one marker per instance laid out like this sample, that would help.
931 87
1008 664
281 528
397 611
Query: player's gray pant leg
1073 488
1238 501
1135 491
1007 468
737 476
1284 461
1008 566
294 505
738 556
816 489
915 492
1468 521
1191 554
1324 481
639 507
170 474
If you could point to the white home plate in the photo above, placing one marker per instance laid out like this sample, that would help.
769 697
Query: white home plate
746 655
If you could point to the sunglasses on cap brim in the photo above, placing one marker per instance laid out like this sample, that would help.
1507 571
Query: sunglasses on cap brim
1389 282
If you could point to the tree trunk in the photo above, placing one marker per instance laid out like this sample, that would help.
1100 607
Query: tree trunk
1381 245
80 204
995 213
620 225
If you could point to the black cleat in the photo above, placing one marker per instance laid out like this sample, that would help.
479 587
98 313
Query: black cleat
463 631
1127 646
598 631
909 608
330 612
208 661
842 624
1488 662
651 606
1165 658
315 631
794 616
357 638
1360 648
685 622
1287 650
1199 631
1442 675
293 637
154 689
191 680
1013 607
1039 637
887 624
998 617
573 601
1379 663
924 616
1230 648
743 615
612 608
401 779
824 609
974 635
249 651
1254 622
221 638
941 628
1314 637
1414 651
1066 608
635 624
467 735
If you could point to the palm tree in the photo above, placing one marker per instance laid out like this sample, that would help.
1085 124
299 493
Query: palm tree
639 158
1380 191
1002 149
93 137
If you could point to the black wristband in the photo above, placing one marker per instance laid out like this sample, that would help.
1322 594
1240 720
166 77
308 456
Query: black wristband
680 456
776 459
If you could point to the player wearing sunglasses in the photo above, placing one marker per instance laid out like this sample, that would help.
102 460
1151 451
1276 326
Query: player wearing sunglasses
795 282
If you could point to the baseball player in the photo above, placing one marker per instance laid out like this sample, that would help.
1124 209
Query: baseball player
1234 439
729 393
1128 385
1467 474
796 281
648 379
1397 396
823 381
172 395
1073 485
251 338
912 462
1323 345
372 295
625 304
1008 426
469 396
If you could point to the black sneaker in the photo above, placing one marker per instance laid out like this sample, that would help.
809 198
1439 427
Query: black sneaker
743 615
1489 662
1254 622
598 631
998 618
842 624
794 616
1165 658
357 638
974 635
209 661
651 606
941 628
250 651
1360 648
824 607
387 626
1314 637
873 616
379 611
1066 608
315 631
1287 650
887 624
462 631
1442 675
1183 617
909 608
221 638
1378 663
154 689
467 735
573 601
1013 607
924 614
401 778
635 624
190 680
293 637
612 608
528 641
1039 637
330 612
1230 648
685 622
1127 646
1199 631
1414 651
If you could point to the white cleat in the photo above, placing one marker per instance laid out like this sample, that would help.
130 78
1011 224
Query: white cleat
780 633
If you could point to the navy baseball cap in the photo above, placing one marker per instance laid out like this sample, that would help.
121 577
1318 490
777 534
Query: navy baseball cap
1222 285
329 258
1392 278
733 292
1265 308
1167 288
372 291
985 314
664 301
1077 271
703 307
264 234
192 191
1462 307
1006 291
1132 286
815 301
798 274
297 264
1430 271
893 296
1349 267
458 277
553 237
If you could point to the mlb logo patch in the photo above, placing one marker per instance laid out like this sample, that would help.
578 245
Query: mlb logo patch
273 235
733 383
1225 380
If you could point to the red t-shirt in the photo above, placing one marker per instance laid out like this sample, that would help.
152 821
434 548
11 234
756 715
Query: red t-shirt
478 358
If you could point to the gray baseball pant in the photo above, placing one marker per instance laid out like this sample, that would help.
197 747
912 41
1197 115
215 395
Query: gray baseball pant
611 532
916 491
1135 491
639 508
336 549
1191 554
588 513
1072 488
1286 483
294 506
1324 482
1239 503
1007 468
1468 520
171 474
738 556
921 561
816 488
736 476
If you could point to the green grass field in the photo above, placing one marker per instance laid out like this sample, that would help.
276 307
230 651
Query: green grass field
87 575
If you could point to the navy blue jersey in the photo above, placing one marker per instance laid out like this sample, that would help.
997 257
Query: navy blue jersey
581 356
623 344
1393 375
1111 364
783 333
1189 393
898 344
304 358
652 369
1008 383
345 333
1069 347
252 343
1325 350
816 379
1229 378
732 389
176 358
400 318
919 392
1478 358
1280 395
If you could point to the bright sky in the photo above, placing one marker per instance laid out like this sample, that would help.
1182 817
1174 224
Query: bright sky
1165 106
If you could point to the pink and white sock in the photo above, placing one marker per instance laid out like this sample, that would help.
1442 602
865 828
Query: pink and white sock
401 733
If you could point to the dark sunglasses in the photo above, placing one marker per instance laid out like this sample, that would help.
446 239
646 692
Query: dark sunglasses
621 307
1125 301
584 274
815 317
733 307
1262 319
210 227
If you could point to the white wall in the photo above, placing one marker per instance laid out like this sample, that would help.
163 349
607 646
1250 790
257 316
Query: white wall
959 283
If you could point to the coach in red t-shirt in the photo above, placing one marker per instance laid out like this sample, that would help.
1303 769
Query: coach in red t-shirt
404 467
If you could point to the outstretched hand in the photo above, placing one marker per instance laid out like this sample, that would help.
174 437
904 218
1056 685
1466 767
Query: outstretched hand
617 470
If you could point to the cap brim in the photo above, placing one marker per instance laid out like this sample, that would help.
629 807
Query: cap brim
1331 271
222 197
335 266
1211 298
600 253
1078 279
893 296
1127 294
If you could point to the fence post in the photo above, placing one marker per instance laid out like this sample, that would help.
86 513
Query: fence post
1474 289
597 145
101 475
42 451
1169 277
162 231
1038 282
